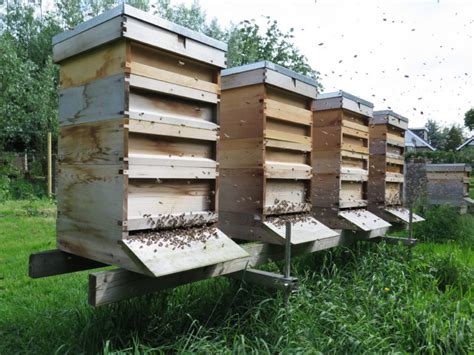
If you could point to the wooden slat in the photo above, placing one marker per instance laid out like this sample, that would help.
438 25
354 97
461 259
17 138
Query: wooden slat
354 125
287 112
175 78
396 139
352 203
141 82
174 220
354 155
278 170
56 262
287 137
354 148
395 161
354 132
273 143
165 129
169 172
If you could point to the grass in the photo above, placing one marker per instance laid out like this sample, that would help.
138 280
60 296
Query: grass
370 298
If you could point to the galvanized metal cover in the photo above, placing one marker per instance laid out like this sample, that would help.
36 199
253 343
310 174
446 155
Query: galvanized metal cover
131 11
265 64
343 94
385 113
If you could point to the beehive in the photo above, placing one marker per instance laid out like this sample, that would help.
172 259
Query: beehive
448 184
265 154
386 171
341 161
137 144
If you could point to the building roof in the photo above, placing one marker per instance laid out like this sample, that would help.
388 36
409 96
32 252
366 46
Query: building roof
413 140
469 141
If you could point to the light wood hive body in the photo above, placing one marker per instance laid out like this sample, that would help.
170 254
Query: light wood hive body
341 162
265 154
137 144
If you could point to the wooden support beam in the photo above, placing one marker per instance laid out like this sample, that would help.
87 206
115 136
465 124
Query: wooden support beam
115 285
56 262
266 279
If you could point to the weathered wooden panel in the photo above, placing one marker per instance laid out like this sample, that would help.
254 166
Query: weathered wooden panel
102 99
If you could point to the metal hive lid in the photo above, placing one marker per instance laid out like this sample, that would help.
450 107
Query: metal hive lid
131 11
341 93
265 64
389 113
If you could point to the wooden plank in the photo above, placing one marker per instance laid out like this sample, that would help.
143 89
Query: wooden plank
396 139
142 171
288 137
364 220
279 170
115 285
173 78
301 231
395 161
174 220
173 42
56 262
394 177
96 64
145 83
352 203
154 104
287 112
161 259
354 132
290 84
100 142
102 99
292 192
148 197
173 120
355 125
403 214
354 148
170 146
173 63
354 155
171 130
274 143
96 36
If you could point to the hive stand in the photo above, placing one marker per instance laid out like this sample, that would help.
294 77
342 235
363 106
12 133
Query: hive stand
137 143
386 172
340 163
265 155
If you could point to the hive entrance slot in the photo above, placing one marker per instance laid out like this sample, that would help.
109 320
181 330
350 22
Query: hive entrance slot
164 252
304 228
403 214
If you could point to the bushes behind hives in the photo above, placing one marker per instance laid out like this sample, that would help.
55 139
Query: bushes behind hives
444 223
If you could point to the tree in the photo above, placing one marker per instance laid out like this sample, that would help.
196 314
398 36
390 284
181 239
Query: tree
247 41
469 119
454 138
435 134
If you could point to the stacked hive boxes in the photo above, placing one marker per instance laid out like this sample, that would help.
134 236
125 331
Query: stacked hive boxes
386 172
341 161
265 154
137 145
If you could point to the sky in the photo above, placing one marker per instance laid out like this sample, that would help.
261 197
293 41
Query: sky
415 57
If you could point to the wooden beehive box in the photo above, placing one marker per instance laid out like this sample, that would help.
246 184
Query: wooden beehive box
265 154
137 145
341 161
386 170
448 184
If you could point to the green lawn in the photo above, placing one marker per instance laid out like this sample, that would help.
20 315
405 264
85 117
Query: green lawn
369 298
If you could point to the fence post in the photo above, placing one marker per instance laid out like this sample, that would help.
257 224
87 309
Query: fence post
50 166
